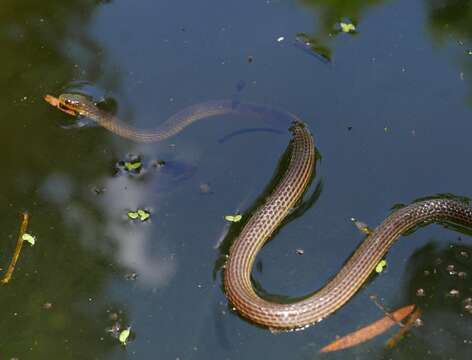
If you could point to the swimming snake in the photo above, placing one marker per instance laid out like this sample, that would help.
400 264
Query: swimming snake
262 224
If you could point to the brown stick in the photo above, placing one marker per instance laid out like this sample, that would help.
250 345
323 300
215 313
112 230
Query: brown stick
392 342
24 224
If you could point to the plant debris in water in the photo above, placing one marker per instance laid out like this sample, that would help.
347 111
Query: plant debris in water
233 218
381 266
141 214
361 226
124 335
29 238
131 165
370 331
19 244
347 27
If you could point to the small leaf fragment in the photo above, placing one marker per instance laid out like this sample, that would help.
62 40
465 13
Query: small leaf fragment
347 27
124 335
29 238
233 218
143 214
380 266
133 165
133 215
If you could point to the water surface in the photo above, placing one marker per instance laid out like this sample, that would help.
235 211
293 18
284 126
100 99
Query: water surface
390 111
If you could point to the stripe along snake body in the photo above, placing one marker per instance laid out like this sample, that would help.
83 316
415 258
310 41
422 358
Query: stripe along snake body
260 227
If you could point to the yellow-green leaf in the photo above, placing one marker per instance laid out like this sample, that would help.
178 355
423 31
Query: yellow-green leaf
29 238
124 335
233 218
143 214
129 165
133 215
347 27
380 266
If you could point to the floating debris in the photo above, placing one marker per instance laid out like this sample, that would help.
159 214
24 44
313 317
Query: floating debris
381 266
233 218
453 293
361 226
19 244
29 238
370 331
141 214
158 163
413 320
420 292
300 251
131 276
205 188
124 335
311 46
347 27
280 39
133 166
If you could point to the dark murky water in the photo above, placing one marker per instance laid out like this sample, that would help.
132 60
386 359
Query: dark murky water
390 110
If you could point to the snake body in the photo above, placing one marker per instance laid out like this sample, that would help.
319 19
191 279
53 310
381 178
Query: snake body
263 223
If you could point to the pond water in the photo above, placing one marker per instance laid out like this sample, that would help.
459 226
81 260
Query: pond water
390 109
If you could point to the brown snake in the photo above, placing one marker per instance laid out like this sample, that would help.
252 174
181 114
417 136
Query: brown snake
262 224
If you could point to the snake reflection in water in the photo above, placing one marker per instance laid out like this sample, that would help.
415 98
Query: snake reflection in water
263 223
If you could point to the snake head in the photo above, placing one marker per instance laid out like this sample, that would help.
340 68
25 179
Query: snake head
72 104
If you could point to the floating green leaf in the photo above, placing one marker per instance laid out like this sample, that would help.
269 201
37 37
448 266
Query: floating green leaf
140 214
233 218
133 165
347 27
380 266
29 238
143 215
133 215
124 335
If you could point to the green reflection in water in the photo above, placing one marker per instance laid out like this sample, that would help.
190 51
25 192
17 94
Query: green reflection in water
329 14
54 307
451 20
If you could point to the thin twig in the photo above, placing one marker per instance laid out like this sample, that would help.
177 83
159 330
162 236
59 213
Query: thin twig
392 342
384 310
24 224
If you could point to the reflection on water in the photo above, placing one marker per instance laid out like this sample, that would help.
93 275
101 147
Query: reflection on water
49 310
329 14
71 287
449 22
